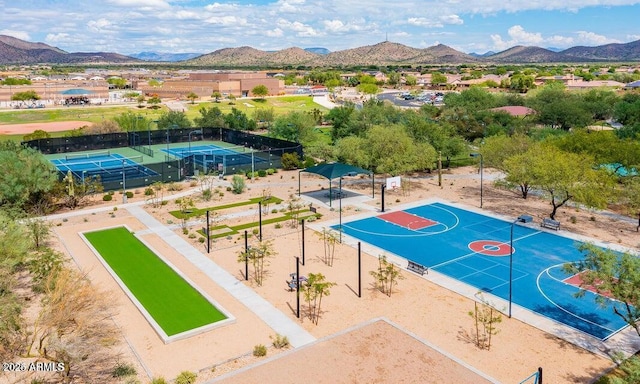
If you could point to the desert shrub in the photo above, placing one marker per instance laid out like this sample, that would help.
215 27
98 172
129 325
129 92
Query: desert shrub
185 231
158 380
192 236
237 184
278 225
129 194
107 197
201 239
290 161
262 173
123 369
255 231
280 341
206 194
271 171
148 191
186 377
309 162
259 350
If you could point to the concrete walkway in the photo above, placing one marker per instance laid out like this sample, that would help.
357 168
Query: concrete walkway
274 318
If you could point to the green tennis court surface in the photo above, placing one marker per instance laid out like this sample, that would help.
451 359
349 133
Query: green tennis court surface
172 302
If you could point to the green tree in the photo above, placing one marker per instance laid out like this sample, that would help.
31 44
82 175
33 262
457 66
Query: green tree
209 117
25 96
410 80
562 176
26 177
611 275
153 101
258 256
368 89
173 119
264 116
260 91
140 99
216 96
237 184
294 126
193 97
15 81
36 135
497 149
386 276
314 289
117 82
340 118
437 78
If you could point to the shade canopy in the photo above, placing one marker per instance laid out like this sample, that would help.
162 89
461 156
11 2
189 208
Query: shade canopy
333 171
76 92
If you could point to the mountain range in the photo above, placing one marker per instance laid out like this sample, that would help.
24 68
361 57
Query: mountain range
16 51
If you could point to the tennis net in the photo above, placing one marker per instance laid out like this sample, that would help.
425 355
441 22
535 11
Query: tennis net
80 156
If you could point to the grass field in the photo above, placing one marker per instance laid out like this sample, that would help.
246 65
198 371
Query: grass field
281 105
172 302
90 114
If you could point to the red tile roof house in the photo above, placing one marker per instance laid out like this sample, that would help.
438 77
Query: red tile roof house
515 110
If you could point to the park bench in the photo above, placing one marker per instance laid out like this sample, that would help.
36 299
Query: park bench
417 268
550 223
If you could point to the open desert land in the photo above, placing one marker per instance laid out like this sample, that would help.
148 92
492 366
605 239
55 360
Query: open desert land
421 333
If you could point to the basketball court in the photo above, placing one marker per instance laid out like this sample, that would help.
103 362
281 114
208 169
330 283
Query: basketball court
478 250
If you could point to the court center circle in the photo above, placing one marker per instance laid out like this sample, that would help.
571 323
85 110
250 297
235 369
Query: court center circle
491 248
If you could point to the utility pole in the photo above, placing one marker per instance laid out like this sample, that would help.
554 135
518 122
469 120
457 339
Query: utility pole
439 168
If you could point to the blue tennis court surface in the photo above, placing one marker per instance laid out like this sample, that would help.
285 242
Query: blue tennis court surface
475 249
210 156
109 167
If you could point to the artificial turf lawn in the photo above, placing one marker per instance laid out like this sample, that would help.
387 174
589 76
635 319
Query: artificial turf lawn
172 302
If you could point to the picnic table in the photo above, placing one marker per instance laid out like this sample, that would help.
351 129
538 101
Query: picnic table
293 283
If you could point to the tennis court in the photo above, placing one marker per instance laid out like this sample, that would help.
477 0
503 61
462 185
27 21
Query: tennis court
109 166
475 249
215 157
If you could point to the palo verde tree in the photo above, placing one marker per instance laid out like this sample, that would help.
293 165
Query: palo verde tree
314 289
485 317
25 96
560 175
611 274
386 276
329 239
258 256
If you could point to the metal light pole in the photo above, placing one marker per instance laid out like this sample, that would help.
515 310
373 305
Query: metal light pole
190 133
481 172
124 186
521 220
149 130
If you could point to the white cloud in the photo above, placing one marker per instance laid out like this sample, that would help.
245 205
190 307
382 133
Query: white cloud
98 25
590 38
17 34
633 37
519 35
301 29
289 6
452 19
140 3
227 21
221 7
277 32
424 22
54 38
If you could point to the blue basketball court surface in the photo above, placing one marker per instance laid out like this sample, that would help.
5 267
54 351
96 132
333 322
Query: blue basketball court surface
476 249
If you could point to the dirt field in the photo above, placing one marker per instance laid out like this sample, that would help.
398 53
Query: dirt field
23 129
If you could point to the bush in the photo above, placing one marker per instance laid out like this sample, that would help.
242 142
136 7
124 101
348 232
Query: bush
290 161
278 225
192 236
122 370
186 377
129 194
259 350
271 171
107 197
237 184
280 341
148 191
262 173
201 239
206 194
158 380
309 162
185 231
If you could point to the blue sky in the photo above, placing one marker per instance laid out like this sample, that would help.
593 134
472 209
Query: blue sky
132 26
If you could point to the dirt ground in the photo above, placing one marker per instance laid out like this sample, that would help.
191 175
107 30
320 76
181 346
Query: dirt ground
24 129
426 310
